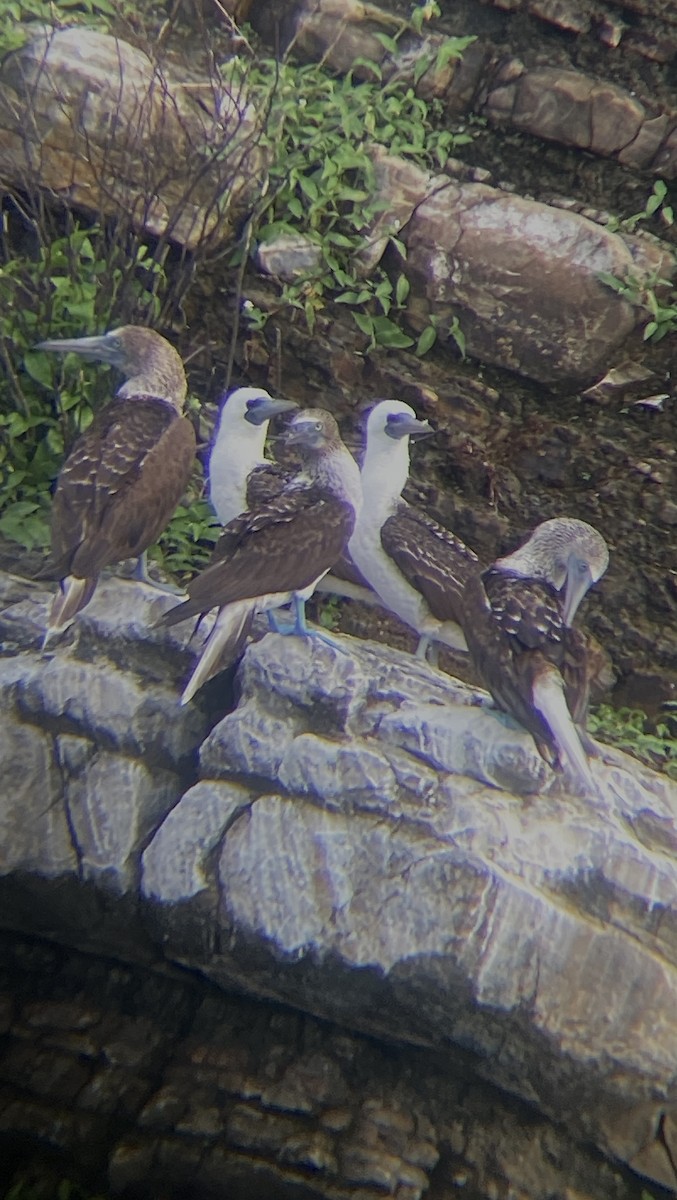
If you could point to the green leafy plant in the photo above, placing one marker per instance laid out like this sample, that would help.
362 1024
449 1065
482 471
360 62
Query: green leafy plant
329 612
322 130
67 287
632 730
641 293
655 206
186 544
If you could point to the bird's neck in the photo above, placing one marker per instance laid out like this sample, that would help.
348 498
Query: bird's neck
385 471
339 473
154 383
524 565
236 453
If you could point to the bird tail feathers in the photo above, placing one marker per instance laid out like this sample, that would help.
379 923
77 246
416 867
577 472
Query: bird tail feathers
549 700
223 645
73 594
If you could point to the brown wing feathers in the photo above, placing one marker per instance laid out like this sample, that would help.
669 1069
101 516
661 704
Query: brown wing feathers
120 484
515 632
430 557
282 547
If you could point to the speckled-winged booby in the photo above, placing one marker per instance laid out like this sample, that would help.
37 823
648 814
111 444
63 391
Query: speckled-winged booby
517 621
276 552
237 453
125 475
416 566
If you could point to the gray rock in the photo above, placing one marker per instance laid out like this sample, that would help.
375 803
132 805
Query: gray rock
175 862
34 833
113 804
469 741
113 707
247 742
370 841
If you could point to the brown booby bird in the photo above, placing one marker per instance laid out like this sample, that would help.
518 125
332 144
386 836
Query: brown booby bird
276 552
517 619
416 566
237 459
125 475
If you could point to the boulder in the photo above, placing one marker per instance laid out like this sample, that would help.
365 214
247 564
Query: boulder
362 838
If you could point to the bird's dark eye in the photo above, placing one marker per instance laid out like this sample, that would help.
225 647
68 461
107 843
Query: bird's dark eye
116 343
318 426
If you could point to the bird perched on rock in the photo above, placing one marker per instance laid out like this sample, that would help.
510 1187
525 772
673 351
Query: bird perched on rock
416 566
275 552
125 475
237 454
517 619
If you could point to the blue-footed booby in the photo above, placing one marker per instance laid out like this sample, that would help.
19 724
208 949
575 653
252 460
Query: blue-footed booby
125 475
276 552
517 621
416 566
237 454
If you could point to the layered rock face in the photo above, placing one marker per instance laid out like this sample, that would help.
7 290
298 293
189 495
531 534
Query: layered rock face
363 839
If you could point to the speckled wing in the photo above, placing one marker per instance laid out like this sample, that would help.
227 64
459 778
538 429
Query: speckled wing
120 484
281 547
515 632
431 558
264 485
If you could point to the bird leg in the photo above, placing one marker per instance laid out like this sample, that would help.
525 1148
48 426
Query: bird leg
300 628
275 625
422 648
141 575
427 650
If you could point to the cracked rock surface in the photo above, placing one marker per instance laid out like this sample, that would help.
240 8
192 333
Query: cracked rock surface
362 839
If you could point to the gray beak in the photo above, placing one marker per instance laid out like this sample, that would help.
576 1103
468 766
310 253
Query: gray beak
578 580
400 425
101 348
263 408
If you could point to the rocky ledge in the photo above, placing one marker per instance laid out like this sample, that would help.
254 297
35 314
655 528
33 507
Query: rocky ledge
362 838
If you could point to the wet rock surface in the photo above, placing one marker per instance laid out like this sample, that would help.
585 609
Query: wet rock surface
361 838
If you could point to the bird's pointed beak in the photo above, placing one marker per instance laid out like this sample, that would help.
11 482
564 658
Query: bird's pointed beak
100 348
266 407
400 425
578 580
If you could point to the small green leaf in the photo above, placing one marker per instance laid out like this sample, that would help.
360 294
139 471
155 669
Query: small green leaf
364 322
612 282
426 340
387 333
40 367
388 43
422 64
402 289
398 245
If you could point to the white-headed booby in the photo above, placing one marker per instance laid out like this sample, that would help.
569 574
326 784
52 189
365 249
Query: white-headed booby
276 552
238 450
517 622
125 475
416 566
